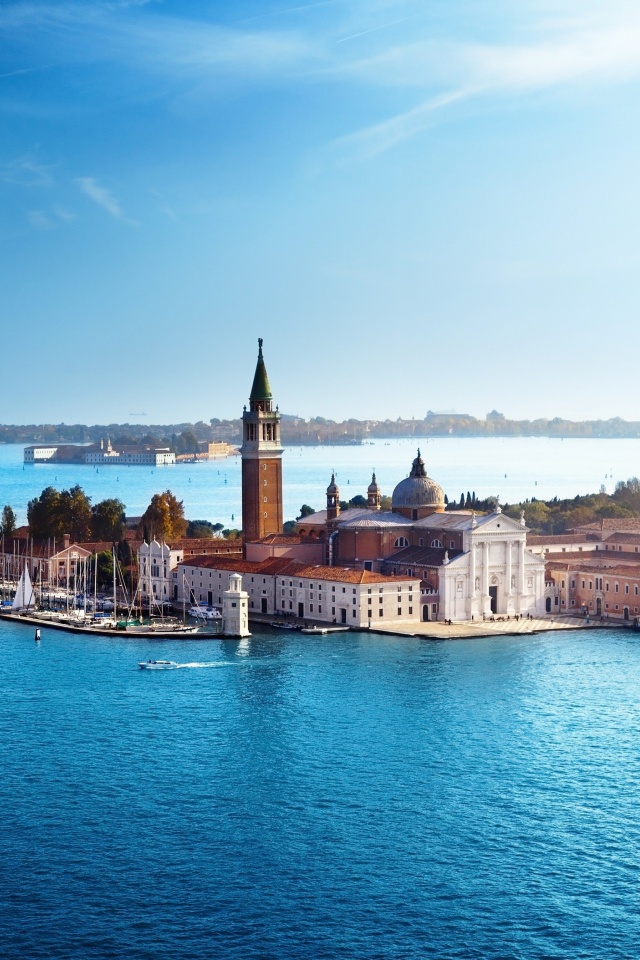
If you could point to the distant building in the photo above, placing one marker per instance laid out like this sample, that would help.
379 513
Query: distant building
219 448
100 454
130 456
37 454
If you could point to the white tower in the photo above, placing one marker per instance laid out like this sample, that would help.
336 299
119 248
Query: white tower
235 609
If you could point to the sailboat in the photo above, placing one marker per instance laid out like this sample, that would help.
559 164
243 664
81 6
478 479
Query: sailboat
24 597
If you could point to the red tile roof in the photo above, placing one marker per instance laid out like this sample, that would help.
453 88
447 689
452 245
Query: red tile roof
281 566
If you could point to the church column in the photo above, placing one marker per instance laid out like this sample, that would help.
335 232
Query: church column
509 574
521 565
472 569
485 569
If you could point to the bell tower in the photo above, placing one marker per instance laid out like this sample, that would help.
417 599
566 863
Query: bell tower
373 494
261 460
333 499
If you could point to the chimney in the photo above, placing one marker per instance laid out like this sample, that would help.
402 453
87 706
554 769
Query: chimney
66 540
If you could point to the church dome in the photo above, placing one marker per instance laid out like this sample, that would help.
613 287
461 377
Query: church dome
418 491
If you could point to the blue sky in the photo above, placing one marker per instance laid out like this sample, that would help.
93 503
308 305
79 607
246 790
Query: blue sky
419 205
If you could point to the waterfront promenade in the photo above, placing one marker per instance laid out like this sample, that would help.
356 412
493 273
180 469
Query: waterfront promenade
468 629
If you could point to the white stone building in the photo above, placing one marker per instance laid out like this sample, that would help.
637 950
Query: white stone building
281 587
494 575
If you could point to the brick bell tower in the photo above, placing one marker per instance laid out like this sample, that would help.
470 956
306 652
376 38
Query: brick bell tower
261 460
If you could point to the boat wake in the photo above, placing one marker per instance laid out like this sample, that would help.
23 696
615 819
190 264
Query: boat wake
195 666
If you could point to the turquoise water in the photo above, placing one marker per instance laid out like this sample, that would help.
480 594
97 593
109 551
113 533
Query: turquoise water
351 796
514 469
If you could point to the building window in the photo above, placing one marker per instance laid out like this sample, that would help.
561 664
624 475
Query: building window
617 588
368 613
399 611
421 542
436 543
401 542
333 611
410 609
310 608
381 612
354 613
369 601
626 588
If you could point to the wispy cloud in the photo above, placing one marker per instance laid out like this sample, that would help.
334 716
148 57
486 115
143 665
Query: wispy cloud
572 53
100 195
26 171
125 34
39 220
366 143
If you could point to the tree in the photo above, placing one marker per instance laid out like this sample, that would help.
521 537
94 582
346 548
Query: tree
305 511
55 513
164 518
43 514
8 522
75 514
107 520
105 568
201 529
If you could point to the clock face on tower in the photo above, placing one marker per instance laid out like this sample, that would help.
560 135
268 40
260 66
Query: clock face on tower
261 460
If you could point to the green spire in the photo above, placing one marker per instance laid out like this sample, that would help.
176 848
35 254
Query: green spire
260 389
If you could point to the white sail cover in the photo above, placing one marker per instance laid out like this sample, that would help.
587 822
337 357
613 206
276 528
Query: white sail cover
24 594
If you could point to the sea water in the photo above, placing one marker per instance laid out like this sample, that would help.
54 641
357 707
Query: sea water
513 468
347 796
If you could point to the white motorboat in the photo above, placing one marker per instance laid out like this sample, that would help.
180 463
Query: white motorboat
157 664
204 613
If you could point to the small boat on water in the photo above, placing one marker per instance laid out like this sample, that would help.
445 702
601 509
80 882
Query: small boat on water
204 613
323 630
157 664
283 625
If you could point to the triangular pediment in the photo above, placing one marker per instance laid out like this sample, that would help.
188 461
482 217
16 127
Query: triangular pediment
499 523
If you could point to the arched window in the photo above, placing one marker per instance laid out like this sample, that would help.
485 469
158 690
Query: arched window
436 543
401 542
